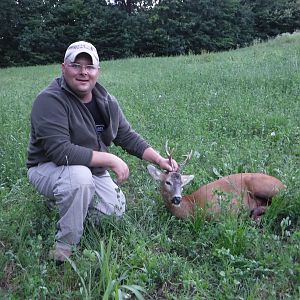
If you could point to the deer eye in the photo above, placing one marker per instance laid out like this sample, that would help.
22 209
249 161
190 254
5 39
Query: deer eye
168 182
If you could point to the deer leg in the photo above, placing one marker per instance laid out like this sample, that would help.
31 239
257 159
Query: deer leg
264 187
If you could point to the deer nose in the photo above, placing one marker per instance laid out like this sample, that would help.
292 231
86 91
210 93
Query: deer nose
176 200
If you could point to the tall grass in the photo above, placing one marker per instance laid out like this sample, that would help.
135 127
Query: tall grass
239 111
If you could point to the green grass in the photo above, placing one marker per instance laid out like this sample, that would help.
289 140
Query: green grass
238 111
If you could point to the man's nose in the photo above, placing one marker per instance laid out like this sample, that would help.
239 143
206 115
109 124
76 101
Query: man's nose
83 70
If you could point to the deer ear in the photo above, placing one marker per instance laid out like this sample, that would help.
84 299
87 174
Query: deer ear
186 179
155 173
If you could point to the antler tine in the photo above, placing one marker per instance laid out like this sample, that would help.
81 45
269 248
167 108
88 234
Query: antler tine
169 154
182 164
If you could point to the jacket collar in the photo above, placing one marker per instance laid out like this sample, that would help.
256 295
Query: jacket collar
99 93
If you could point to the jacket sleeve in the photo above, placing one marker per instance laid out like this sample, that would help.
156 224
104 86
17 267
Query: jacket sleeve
127 138
50 123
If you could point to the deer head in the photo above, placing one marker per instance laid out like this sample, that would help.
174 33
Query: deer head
172 183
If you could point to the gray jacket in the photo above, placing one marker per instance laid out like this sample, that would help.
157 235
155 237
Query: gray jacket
63 130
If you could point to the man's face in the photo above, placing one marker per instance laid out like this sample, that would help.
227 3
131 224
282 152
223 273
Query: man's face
81 79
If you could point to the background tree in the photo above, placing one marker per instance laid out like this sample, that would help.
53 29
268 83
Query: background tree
273 17
9 30
107 28
244 24
37 32
34 39
133 6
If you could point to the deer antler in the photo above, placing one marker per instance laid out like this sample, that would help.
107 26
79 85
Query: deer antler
183 163
169 154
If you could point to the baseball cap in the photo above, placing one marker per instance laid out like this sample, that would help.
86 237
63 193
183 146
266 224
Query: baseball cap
82 47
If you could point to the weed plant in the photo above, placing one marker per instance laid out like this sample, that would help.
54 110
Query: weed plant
239 111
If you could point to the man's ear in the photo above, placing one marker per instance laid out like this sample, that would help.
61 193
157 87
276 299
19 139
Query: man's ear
63 66
154 172
186 179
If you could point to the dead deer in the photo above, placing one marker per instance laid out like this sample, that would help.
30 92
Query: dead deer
253 191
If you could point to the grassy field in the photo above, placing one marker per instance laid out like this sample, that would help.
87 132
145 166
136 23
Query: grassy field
238 111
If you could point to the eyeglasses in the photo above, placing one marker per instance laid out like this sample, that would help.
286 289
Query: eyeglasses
78 67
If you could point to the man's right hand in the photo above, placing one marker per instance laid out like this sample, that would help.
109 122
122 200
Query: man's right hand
113 162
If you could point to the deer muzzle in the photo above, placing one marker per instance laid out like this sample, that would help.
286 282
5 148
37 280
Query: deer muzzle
176 201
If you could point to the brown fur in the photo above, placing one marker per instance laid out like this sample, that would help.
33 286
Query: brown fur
253 191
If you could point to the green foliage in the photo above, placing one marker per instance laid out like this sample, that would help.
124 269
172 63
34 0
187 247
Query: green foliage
238 111
274 17
38 32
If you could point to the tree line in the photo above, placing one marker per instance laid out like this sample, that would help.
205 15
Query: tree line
38 31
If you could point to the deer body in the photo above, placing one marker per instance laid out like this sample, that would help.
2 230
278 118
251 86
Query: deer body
253 191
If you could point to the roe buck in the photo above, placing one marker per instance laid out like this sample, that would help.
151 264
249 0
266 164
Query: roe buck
253 191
